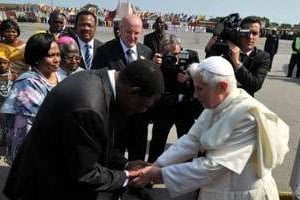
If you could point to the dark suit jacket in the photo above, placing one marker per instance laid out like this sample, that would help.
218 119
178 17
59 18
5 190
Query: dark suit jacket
111 55
152 41
271 44
68 153
253 71
97 44
133 129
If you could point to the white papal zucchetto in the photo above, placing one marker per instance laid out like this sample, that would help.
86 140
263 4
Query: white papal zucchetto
217 65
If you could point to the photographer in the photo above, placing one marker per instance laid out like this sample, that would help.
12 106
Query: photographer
177 105
250 64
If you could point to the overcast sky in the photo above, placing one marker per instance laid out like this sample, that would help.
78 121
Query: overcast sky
280 11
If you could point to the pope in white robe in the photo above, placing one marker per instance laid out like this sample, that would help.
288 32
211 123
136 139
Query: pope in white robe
240 140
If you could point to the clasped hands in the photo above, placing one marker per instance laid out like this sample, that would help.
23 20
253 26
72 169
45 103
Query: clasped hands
142 173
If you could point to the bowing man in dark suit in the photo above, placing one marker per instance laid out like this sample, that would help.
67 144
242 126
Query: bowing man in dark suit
114 55
68 153
85 27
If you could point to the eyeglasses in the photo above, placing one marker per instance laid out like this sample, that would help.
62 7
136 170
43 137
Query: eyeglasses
71 58
249 33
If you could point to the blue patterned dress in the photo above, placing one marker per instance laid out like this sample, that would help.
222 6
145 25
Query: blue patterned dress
21 106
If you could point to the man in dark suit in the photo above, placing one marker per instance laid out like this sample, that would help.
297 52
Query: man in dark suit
271 45
68 153
177 106
117 54
250 64
85 28
153 40
114 55
57 25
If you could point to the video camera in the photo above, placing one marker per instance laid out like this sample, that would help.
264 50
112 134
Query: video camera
228 30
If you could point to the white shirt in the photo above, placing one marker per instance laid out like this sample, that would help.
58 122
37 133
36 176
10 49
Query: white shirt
83 48
125 48
111 76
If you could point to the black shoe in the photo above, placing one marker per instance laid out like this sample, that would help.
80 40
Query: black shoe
289 76
141 193
149 186
117 197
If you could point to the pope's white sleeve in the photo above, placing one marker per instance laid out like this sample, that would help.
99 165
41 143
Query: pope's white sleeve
190 176
184 149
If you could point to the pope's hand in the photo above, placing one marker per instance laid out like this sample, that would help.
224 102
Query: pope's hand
150 174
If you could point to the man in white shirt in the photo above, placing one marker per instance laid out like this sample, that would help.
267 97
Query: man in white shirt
85 28
239 141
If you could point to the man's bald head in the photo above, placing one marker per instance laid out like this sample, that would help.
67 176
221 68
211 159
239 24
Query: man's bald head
131 28
132 20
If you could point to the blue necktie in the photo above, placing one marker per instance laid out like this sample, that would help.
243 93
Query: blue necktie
130 56
87 56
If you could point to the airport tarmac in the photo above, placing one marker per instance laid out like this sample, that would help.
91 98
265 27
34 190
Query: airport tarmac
279 93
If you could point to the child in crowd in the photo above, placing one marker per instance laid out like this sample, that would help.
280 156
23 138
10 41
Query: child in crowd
7 76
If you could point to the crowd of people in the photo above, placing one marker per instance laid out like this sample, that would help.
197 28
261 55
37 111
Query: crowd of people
71 106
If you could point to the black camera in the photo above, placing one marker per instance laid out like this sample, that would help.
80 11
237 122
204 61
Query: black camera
171 66
169 60
228 30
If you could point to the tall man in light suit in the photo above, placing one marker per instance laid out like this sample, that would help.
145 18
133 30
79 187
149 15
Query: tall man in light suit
85 28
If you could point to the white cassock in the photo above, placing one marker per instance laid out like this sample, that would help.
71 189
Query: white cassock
295 177
239 152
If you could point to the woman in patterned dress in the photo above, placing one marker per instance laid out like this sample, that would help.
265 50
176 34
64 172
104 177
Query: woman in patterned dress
29 90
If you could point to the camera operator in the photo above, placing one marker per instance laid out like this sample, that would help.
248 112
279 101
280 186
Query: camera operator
250 64
177 106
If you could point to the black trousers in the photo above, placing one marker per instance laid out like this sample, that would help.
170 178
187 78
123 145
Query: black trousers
182 114
295 60
131 134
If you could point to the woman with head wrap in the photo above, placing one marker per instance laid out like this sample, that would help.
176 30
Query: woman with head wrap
10 32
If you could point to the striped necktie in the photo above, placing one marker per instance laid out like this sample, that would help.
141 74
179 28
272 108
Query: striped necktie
130 56
88 57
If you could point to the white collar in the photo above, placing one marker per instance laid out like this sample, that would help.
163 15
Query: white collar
82 43
125 48
226 102
111 76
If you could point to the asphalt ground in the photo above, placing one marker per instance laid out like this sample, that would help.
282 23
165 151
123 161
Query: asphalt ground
279 93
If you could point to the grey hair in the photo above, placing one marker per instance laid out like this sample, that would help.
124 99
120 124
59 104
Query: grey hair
170 39
213 79
66 48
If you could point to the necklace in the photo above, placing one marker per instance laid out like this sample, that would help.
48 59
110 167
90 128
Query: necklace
46 79
5 85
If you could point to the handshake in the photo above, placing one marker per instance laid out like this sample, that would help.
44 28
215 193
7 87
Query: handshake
142 173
